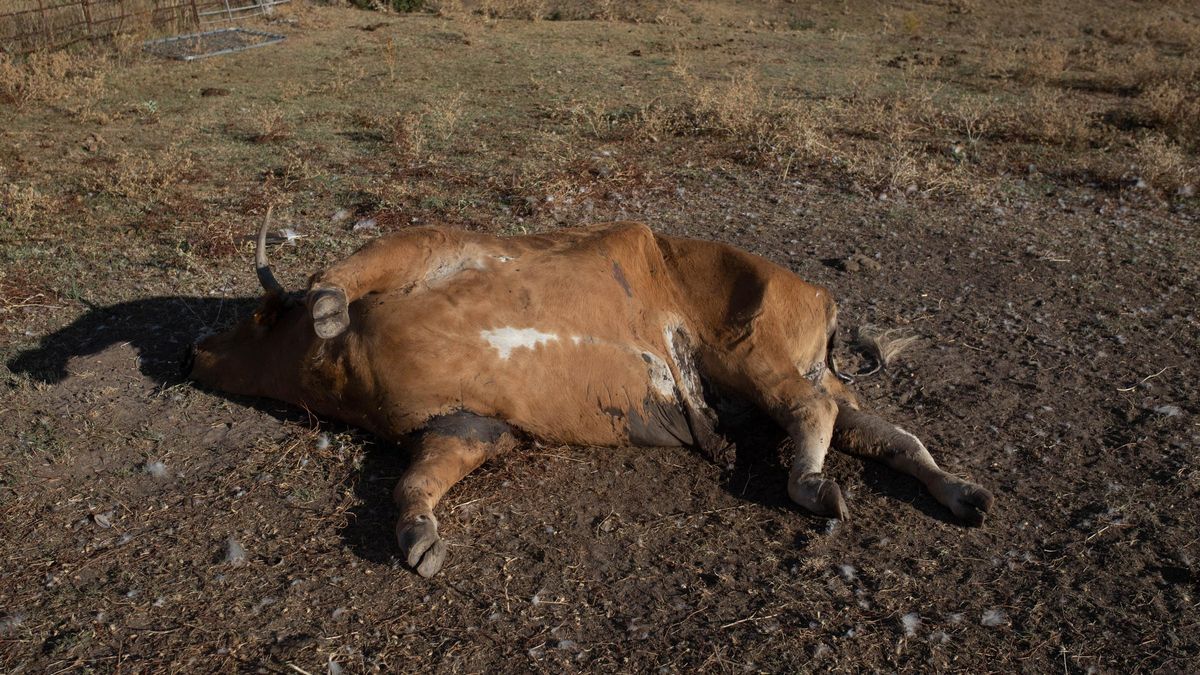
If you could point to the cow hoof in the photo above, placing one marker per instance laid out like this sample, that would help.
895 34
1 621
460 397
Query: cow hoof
330 312
420 544
819 495
966 500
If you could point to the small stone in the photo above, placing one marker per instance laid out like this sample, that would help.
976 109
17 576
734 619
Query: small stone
234 553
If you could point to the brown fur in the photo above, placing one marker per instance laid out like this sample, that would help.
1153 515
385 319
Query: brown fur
600 336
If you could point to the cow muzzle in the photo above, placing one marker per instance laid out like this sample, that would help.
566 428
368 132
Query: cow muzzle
187 360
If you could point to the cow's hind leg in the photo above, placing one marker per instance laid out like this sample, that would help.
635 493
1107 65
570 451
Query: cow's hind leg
389 262
869 436
451 447
810 424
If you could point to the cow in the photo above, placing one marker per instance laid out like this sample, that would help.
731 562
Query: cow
607 335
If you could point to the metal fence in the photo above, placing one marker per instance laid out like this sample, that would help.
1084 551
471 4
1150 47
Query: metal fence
30 25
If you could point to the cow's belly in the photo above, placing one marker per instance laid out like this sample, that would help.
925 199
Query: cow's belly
590 372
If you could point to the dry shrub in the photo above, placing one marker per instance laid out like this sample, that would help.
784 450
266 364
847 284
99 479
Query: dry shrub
21 205
1164 165
528 10
268 125
443 115
144 179
1176 110
755 123
51 77
406 136
417 135
1000 63
1051 116
1044 62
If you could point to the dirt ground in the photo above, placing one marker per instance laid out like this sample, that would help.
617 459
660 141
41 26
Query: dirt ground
1013 186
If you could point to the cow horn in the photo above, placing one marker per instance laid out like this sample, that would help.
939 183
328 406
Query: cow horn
261 266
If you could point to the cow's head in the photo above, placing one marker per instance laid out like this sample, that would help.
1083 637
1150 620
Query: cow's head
261 355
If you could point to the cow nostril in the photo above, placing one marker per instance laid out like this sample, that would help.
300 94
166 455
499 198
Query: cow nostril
188 360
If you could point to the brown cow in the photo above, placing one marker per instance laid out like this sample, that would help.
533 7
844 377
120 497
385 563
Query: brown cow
608 335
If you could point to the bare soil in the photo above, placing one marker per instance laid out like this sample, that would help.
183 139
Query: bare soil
1051 281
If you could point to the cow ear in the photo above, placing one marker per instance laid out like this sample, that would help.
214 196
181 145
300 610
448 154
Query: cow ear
268 313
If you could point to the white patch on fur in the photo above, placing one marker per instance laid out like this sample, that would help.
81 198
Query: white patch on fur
505 340
690 386
504 258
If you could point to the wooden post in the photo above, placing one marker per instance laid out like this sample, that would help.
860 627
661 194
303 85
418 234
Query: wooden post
195 13
47 29
228 10
87 15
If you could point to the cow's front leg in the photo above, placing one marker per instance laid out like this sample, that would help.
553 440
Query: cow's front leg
451 447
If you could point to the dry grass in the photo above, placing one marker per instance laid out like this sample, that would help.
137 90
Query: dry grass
881 143
1165 167
143 180
21 205
52 77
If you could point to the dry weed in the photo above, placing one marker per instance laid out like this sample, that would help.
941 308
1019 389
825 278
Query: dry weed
415 135
144 179
1165 166
528 10
1044 62
443 116
51 77
268 125
21 205
1053 117
403 131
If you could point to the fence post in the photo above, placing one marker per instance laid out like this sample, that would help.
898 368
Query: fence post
228 10
87 15
47 29
195 13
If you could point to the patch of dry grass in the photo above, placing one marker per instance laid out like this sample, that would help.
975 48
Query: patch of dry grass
143 180
1165 166
52 77
883 142
21 205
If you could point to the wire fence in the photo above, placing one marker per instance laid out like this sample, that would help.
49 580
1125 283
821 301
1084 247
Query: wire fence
32 25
